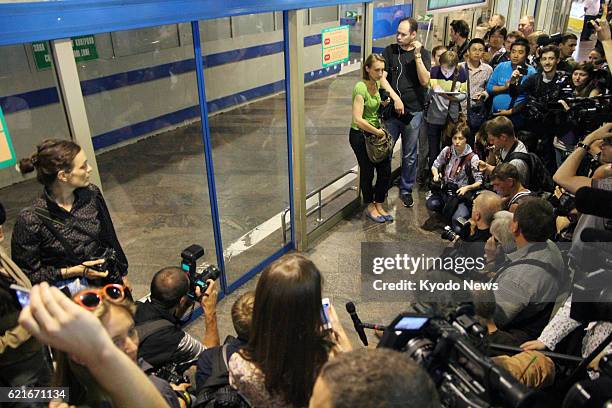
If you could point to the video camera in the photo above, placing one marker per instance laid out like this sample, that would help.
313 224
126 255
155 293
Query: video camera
197 275
450 350
585 113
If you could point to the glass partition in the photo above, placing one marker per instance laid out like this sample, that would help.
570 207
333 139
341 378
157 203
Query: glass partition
30 102
247 118
143 112
332 58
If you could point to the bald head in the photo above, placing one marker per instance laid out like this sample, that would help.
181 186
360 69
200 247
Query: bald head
526 25
169 285
486 204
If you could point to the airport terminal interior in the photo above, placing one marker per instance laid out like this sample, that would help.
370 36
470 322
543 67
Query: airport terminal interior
242 183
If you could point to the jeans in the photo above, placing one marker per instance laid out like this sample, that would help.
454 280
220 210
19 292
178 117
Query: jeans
410 143
436 203
370 194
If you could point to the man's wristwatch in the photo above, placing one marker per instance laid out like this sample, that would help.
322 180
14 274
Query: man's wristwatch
584 146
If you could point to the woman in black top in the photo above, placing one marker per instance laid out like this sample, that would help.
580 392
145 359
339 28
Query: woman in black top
66 237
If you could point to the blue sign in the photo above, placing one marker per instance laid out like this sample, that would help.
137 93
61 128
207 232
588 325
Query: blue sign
386 19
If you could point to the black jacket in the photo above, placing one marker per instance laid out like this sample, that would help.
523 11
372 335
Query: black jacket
87 228
161 347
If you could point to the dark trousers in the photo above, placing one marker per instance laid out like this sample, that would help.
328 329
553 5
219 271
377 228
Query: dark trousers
434 133
438 200
378 192
587 27
544 148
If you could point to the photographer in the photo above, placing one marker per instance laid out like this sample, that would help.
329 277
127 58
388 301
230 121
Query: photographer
543 89
584 86
562 325
500 133
471 241
500 243
580 252
567 47
507 75
507 183
456 169
373 378
530 283
159 325
66 237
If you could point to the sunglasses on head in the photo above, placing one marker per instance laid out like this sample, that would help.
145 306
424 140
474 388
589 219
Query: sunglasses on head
91 298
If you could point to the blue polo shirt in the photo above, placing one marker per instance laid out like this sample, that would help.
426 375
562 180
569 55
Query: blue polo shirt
501 74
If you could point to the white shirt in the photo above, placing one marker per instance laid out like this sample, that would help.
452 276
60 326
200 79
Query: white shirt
591 7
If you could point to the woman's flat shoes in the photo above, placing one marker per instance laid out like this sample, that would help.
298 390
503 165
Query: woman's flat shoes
387 217
378 219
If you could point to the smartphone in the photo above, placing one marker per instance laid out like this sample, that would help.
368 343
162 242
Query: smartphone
325 314
23 294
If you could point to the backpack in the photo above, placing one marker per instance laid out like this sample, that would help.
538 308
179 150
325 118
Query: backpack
465 162
217 391
539 179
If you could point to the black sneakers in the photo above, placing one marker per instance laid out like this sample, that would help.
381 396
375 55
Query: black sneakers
407 199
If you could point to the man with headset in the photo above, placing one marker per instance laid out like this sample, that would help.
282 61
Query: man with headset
406 79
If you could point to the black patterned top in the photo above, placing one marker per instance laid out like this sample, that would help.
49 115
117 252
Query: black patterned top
87 228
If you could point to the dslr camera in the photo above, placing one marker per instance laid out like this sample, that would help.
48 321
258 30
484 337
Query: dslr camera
450 235
197 275
111 263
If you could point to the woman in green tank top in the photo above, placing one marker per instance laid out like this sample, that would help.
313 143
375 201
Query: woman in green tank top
366 101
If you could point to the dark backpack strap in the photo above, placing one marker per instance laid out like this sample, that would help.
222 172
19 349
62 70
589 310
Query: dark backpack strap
543 265
447 157
146 329
467 166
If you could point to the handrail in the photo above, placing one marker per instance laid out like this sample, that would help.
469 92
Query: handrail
320 204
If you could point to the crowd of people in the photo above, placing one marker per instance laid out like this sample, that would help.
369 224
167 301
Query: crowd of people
483 124
502 131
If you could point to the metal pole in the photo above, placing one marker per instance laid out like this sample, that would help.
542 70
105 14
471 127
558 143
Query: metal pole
210 172
71 96
293 30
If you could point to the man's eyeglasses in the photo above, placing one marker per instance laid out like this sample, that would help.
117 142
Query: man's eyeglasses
91 298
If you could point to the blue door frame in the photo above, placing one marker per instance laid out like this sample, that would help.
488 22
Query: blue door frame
44 21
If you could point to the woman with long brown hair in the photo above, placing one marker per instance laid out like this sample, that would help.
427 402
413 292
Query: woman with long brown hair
66 237
288 343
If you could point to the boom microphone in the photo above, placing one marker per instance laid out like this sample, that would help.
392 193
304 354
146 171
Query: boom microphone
350 308
594 201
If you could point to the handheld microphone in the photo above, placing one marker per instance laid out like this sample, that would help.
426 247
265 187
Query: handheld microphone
350 308
594 201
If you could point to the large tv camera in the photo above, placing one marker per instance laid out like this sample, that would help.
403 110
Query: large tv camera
452 351
197 275
587 114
